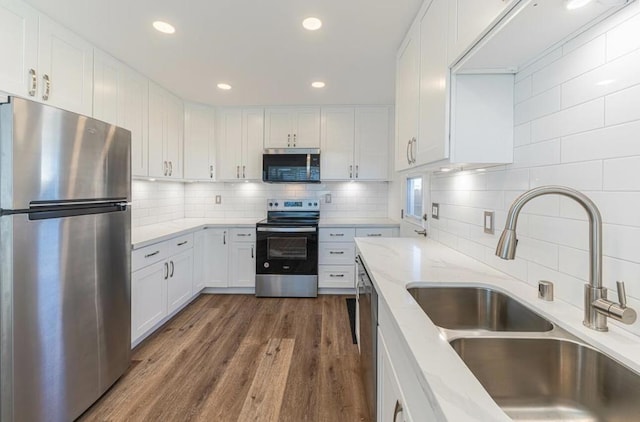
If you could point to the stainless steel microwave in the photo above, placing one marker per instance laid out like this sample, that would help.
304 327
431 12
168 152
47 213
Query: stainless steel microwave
291 165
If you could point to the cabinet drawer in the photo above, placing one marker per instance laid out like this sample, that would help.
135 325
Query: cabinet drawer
344 234
374 232
151 254
181 244
336 276
243 235
336 253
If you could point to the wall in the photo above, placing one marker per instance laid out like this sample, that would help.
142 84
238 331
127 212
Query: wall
577 118
157 202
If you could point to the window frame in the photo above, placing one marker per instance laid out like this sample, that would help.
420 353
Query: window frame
410 218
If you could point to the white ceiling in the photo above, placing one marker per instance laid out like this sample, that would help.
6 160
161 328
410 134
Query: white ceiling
258 46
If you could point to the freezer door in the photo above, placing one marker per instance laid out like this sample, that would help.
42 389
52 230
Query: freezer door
66 312
50 154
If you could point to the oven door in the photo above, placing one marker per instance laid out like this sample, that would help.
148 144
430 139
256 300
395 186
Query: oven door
287 250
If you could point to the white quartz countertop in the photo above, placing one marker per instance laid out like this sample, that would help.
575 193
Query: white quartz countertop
154 233
358 222
148 235
397 263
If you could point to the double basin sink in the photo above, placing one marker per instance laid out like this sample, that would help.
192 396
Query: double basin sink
534 370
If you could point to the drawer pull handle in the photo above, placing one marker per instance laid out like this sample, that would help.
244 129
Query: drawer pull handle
336 252
243 234
183 243
336 275
149 255
374 234
337 234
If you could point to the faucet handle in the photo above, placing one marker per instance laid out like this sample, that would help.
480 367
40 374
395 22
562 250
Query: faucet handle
622 294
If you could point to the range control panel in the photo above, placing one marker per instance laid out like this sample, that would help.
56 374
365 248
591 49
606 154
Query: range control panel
293 205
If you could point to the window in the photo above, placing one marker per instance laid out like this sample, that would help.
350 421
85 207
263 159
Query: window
414 197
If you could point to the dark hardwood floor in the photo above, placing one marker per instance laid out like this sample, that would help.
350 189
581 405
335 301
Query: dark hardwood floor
240 358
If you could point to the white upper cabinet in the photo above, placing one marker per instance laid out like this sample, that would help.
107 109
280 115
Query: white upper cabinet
468 19
166 131
133 114
289 127
65 64
407 98
43 61
106 75
240 136
433 141
19 49
337 146
355 143
199 146
372 142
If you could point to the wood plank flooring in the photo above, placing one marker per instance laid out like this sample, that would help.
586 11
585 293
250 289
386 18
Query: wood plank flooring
240 358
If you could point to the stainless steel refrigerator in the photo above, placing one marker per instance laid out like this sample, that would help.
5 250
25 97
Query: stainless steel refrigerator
65 240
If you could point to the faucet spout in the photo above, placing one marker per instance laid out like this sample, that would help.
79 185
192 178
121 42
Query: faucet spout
597 307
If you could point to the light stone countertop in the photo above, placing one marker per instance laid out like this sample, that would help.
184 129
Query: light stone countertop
154 233
397 263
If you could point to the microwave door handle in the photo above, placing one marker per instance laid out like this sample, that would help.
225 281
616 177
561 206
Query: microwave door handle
308 166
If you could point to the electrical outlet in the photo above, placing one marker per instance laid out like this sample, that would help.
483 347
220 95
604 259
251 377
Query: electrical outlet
327 198
218 199
488 222
435 211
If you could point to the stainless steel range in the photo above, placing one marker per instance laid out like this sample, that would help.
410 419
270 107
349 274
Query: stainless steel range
287 249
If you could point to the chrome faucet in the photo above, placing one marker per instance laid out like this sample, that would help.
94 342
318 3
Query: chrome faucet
596 306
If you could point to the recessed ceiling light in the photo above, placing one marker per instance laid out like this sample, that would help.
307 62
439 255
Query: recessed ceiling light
318 84
152 179
312 24
224 86
481 170
164 27
576 4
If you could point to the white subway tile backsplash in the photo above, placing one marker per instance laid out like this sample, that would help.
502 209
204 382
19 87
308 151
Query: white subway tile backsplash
576 119
622 174
623 106
575 63
588 139
583 176
609 142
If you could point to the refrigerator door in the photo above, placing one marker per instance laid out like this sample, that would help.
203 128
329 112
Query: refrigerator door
50 154
65 304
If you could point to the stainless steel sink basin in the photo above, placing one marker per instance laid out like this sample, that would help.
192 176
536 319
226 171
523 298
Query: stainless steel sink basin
471 308
547 379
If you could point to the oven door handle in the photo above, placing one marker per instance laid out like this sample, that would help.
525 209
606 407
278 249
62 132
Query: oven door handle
288 229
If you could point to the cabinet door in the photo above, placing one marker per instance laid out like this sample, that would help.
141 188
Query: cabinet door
199 261
390 400
19 49
133 114
433 142
278 130
148 298
407 100
243 265
252 141
306 128
467 20
229 153
199 147
337 143
67 61
216 257
106 72
180 280
372 142
158 165
174 139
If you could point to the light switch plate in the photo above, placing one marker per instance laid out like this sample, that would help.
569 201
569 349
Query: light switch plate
488 222
218 199
327 198
435 211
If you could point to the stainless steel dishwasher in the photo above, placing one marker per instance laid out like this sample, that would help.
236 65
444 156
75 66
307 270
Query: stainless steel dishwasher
368 316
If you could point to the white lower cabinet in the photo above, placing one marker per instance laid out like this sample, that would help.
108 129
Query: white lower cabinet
216 258
180 280
390 398
242 270
148 298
